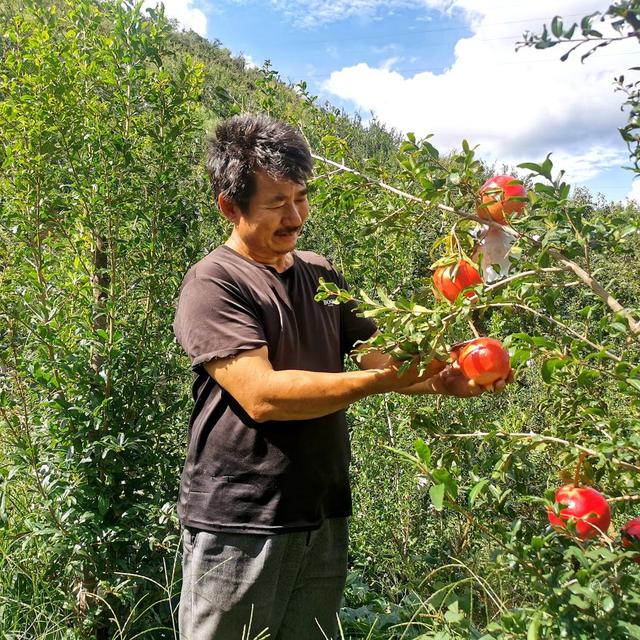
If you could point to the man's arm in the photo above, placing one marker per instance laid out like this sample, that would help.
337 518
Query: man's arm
440 378
266 394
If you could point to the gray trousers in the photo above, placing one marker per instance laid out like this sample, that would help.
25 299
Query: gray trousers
237 585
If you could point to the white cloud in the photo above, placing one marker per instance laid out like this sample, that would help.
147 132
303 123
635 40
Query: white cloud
517 106
249 61
634 194
187 15
586 164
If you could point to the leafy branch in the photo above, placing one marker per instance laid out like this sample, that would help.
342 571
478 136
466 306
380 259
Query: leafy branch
567 264
536 437
623 16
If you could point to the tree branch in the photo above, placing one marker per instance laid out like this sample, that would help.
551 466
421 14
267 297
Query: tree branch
540 438
568 265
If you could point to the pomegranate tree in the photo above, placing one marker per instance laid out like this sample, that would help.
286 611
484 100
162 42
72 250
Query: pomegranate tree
573 345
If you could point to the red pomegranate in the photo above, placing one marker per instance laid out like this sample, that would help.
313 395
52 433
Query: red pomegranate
451 280
585 506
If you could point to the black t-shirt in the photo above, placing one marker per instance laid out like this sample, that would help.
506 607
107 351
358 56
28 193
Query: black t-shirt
275 476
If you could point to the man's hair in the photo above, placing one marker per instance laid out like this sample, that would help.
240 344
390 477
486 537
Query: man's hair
248 143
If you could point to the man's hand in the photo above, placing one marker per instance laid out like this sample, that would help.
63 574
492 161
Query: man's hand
409 377
451 382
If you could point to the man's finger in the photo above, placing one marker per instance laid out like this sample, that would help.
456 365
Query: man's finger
499 386
473 388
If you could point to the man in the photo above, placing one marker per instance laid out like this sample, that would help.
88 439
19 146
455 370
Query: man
264 495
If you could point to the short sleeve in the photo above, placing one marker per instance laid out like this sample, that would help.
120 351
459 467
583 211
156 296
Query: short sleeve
214 320
353 327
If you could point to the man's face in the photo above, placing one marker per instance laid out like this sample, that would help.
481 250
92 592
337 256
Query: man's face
275 216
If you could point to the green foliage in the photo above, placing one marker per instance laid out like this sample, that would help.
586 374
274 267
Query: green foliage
98 222
584 424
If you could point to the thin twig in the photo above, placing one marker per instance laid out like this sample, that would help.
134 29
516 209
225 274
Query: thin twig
624 499
540 438
523 274
559 324
392 440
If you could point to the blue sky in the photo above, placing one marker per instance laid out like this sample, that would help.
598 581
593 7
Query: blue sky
446 67
420 39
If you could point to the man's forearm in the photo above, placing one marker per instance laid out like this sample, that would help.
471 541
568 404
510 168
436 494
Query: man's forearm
268 394
302 395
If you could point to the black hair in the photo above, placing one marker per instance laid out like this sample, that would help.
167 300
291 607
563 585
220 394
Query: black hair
248 143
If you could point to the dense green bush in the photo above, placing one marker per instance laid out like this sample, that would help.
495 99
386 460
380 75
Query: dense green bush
101 192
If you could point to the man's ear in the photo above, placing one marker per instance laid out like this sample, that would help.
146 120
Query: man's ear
229 209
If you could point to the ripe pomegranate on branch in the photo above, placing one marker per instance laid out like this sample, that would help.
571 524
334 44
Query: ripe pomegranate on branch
451 280
584 507
483 360
501 197
631 536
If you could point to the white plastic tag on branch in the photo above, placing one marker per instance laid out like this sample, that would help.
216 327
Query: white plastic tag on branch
494 248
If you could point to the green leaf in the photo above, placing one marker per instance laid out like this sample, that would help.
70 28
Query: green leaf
532 166
403 454
372 313
549 366
632 629
423 451
476 490
579 602
608 604
537 543
453 614
520 356
382 294
633 382
533 631
547 165
540 341
436 493
442 476
586 377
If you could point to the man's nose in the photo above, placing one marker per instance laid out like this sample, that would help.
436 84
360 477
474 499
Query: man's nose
293 217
